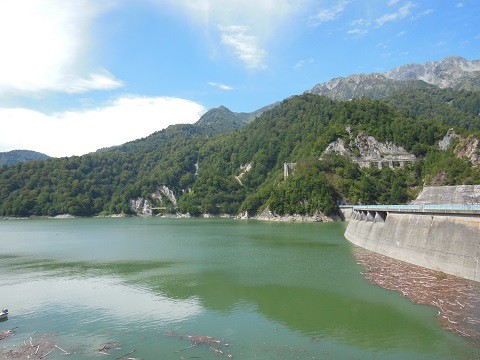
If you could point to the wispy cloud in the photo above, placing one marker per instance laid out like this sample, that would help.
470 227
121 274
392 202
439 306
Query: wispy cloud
421 14
77 132
357 32
245 46
302 63
401 33
392 2
44 47
384 44
220 86
329 14
360 22
401 13
460 4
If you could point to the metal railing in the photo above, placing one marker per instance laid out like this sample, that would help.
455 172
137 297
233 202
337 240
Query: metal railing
419 207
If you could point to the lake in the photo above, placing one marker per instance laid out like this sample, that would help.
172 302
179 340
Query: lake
268 290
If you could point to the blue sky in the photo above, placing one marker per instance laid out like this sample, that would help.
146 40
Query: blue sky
79 75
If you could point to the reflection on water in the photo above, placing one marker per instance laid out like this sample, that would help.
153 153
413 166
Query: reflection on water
263 286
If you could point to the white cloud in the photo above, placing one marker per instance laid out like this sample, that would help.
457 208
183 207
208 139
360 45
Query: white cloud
302 63
460 4
259 20
45 46
401 13
329 14
245 46
401 33
79 132
220 86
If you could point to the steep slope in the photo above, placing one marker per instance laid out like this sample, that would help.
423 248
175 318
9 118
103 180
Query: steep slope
450 107
17 156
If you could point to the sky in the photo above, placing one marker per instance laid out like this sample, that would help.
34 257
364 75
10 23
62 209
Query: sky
76 76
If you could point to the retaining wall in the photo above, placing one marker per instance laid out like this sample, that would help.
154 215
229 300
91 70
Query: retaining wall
445 242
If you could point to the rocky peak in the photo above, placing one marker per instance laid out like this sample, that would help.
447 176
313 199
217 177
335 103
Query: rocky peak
452 71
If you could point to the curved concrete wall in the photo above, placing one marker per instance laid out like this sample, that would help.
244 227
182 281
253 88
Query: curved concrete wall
447 243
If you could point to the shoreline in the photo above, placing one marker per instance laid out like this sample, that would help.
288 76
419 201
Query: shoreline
265 216
456 299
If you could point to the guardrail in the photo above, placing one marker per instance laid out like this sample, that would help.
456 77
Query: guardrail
418 207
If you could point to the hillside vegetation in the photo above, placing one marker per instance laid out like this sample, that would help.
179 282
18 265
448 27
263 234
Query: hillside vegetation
203 167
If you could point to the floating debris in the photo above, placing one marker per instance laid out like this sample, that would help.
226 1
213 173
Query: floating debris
105 348
214 344
6 333
457 299
37 348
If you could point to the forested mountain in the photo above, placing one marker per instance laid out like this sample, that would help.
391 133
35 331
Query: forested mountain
447 106
16 156
242 170
231 162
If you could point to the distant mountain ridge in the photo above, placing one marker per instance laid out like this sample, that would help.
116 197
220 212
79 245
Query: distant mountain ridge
454 71
17 156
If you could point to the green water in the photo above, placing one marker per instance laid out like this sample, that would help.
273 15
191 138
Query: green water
266 289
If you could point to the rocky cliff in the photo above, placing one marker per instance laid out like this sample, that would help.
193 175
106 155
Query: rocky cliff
364 149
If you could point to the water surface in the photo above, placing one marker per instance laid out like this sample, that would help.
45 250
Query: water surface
269 290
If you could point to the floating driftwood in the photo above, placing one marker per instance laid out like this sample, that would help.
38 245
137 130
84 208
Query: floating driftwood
6 333
457 299
213 344
37 348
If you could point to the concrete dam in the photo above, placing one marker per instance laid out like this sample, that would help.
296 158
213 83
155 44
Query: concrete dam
440 230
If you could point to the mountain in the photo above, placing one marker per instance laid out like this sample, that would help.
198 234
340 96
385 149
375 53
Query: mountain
220 120
451 72
17 156
242 170
229 162
455 72
373 86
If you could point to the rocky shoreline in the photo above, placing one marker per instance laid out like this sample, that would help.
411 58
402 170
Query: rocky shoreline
457 299
264 216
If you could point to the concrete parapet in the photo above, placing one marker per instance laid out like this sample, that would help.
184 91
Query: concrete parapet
444 242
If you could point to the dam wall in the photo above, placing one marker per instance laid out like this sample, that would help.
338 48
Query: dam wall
444 242
443 237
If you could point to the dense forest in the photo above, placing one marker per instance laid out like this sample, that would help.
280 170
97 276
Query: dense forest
202 163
